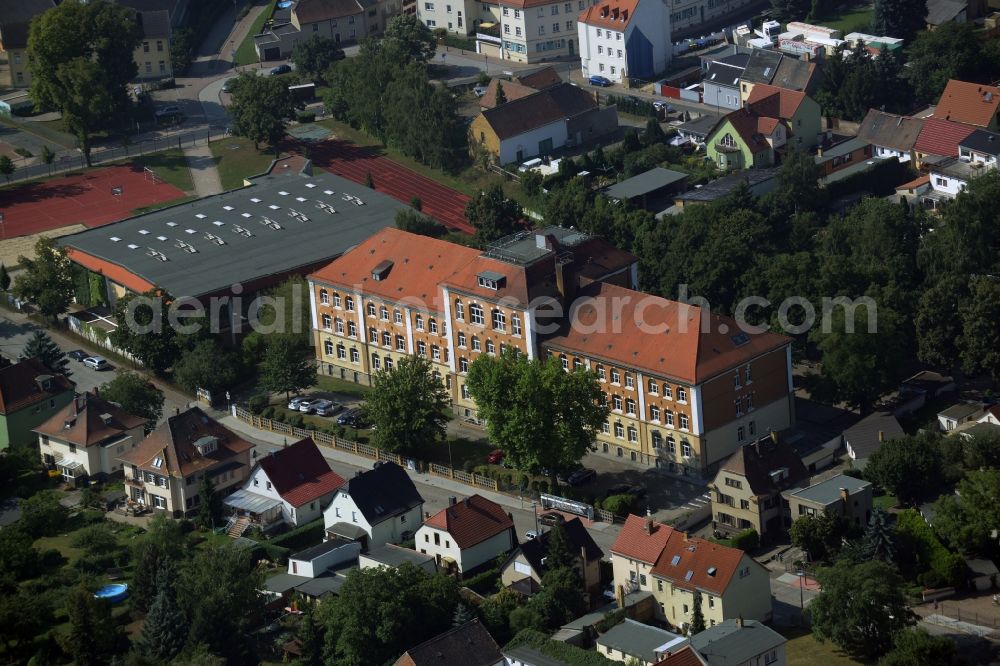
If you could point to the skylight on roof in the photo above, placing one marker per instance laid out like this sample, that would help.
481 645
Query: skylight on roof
688 575
329 193
115 239
310 185
227 208
255 199
300 199
161 238
283 193
711 571
219 224
190 231
133 246
675 560
247 215
273 207
200 216
171 224
143 231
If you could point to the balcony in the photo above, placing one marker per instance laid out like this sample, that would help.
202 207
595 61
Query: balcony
135 483
723 148
489 32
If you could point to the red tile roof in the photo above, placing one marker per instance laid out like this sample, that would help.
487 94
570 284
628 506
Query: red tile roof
633 541
775 102
473 520
418 263
300 473
686 656
917 182
80 421
686 561
969 103
112 271
511 90
670 343
941 137
20 386
613 14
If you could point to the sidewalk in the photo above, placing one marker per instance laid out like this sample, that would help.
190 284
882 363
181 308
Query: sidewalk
204 173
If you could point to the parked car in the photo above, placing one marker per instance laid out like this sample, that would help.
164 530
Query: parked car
77 354
479 90
96 363
228 85
552 518
581 476
354 417
325 407
166 111
296 402
531 534
663 106
495 457
281 69
597 80
308 406
609 592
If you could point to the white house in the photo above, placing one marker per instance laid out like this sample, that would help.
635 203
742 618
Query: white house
980 146
390 556
739 641
292 485
319 559
467 534
85 438
622 39
634 642
375 507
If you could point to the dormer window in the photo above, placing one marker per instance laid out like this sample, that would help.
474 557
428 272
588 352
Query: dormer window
490 280
381 271
157 462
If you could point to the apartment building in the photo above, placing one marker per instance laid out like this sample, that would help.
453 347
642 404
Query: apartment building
339 20
530 30
687 15
686 387
15 18
462 17
152 56
623 39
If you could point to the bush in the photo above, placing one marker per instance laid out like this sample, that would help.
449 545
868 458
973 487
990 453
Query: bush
23 152
620 505
301 537
257 403
96 539
747 540
297 421
632 105
305 116
268 413
543 486
469 466
484 582
610 620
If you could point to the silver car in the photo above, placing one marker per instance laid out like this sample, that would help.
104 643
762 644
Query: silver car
308 405
325 407
296 402
96 363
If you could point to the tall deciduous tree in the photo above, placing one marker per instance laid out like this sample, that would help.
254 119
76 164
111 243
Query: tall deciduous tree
950 51
413 221
938 324
861 608
46 280
164 632
287 365
208 366
163 542
902 19
41 346
965 520
144 330
818 535
135 394
314 56
542 416
980 332
493 214
94 638
411 38
260 107
906 467
916 646
408 405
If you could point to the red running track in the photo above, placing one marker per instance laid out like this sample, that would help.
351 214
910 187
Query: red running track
349 161
80 199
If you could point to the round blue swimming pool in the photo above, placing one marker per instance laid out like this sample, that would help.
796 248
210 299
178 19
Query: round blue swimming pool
113 593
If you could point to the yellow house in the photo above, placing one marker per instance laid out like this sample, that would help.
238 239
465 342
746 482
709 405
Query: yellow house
15 17
731 583
152 56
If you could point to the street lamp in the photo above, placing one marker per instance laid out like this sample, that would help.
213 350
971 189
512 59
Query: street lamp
534 508
802 607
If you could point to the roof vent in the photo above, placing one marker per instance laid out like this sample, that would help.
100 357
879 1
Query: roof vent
711 571
381 271
106 418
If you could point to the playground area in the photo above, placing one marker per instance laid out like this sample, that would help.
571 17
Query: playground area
92 199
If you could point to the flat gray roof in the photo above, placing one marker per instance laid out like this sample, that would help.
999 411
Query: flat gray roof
828 492
232 238
394 556
521 248
841 149
283 582
640 640
644 183
726 643
317 587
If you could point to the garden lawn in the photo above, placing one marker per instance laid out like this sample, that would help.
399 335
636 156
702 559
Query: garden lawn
804 650
851 19
245 52
236 159
341 386
171 166
886 501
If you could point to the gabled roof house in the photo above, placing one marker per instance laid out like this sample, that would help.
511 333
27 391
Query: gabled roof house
466 535
528 560
30 394
375 507
973 104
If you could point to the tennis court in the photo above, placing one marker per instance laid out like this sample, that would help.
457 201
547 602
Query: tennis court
93 198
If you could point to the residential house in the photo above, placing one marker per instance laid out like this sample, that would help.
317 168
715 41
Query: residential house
467 645
290 485
846 154
687 17
721 83
466 535
973 104
339 20
991 415
317 560
15 18
540 123
758 181
529 31
520 85
623 40
940 12
528 560
461 17
957 415
176 9
739 641
865 437
697 129
780 71
890 135
980 147
651 190
84 440
744 139
375 507
939 138
799 111
165 471
980 429
152 56
390 555
637 643
683 400
30 395
843 496
731 583
686 656
747 491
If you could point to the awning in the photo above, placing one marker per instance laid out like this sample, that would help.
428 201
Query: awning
347 530
244 500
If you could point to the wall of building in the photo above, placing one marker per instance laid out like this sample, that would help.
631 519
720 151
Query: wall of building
315 567
517 569
152 57
96 460
948 184
481 132
723 97
467 559
748 594
525 146
14 72
806 124
391 530
16 427
540 32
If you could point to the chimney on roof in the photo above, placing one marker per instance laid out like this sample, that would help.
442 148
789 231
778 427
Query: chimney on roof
844 495
881 436
466 502
649 525
427 514
106 418
452 500
739 621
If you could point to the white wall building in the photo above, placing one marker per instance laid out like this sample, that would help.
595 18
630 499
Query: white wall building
319 559
375 507
467 534
625 38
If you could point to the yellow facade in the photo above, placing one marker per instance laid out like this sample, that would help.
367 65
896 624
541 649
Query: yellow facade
14 72
152 57
481 133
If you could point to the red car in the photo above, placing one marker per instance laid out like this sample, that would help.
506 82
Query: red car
495 457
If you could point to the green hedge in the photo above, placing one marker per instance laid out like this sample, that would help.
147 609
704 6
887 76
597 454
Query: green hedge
747 540
306 536
610 620
632 105
881 179
270 551
484 582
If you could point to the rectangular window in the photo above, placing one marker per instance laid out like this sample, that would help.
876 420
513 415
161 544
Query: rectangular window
654 413
684 421
159 45
616 377
619 431
145 47
617 400
682 395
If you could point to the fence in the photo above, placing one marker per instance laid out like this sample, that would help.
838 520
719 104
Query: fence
954 610
366 450
70 160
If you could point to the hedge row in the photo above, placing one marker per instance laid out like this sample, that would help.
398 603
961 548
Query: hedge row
301 537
